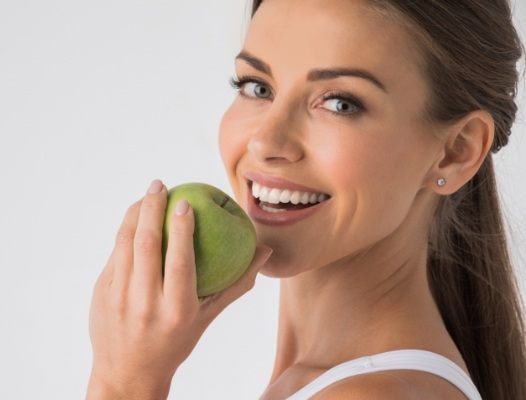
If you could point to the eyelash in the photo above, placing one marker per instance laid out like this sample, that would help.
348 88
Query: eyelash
239 82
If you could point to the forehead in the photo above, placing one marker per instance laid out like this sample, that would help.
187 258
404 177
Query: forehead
297 35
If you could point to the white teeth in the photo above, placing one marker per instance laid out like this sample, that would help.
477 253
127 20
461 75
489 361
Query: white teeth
263 194
295 197
284 196
255 189
275 196
272 210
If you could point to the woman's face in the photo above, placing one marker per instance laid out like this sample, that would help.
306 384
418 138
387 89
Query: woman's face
359 138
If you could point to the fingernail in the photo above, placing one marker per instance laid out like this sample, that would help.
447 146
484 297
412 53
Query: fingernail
181 207
155 186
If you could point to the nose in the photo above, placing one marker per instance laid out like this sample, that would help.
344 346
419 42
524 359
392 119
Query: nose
277 139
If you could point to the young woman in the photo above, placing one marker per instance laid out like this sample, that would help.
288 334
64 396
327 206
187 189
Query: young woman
360 144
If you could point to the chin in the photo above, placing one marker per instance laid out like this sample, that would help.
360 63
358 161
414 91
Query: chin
275 268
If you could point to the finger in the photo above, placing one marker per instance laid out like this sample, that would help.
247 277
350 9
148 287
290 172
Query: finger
180 282
121 258
146 276
213 305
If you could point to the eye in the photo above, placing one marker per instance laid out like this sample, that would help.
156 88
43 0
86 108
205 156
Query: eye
344 103
246 85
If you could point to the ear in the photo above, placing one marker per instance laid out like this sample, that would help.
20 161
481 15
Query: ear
466 144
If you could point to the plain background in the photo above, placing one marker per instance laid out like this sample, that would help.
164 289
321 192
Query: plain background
97 99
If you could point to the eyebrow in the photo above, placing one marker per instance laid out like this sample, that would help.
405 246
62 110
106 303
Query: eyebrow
314 74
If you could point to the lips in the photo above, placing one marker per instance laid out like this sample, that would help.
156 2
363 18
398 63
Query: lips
288 217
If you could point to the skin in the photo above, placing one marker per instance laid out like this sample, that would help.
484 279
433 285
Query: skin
359 264
356 267
142 327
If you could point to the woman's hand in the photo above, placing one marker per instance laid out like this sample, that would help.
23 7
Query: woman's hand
142 327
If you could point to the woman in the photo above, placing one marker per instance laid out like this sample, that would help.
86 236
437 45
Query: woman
396 282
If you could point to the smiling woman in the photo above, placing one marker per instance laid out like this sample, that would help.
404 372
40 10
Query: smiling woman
360 143
409 239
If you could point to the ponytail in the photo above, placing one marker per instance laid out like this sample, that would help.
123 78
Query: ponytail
473 283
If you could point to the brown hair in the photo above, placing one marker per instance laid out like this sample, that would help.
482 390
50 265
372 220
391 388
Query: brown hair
470 50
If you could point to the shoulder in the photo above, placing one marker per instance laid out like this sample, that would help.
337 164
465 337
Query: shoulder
391 385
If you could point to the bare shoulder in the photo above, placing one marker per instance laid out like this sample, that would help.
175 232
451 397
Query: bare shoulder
391 385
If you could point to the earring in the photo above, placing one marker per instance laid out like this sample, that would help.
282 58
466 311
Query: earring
441 181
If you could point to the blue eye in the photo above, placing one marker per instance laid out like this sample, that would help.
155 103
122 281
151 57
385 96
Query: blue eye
347 105
259 87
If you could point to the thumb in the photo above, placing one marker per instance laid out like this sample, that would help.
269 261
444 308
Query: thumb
262 255
213 305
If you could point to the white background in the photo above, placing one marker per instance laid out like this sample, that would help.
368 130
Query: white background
97 99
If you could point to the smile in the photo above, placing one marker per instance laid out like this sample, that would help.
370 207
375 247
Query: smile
277 206
280 200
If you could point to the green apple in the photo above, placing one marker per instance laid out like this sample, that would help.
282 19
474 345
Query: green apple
224 236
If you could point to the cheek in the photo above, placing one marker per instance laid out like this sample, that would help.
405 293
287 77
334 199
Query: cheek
231 140
376 178
225 137
232 145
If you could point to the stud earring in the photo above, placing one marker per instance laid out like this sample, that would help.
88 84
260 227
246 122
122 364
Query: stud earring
441 182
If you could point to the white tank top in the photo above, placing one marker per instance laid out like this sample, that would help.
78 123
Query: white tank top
413 359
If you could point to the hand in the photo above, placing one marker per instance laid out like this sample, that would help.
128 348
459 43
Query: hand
142 327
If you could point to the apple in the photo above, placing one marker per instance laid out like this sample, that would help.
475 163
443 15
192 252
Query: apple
224 236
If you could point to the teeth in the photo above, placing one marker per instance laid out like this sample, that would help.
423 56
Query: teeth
284 196
295 197
255 189
272 210
263 194
275 196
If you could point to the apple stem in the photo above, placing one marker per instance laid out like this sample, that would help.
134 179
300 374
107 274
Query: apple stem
224 202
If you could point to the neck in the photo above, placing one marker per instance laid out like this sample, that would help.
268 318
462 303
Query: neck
354 307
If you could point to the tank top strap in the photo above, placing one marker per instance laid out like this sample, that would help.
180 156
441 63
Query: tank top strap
413 359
